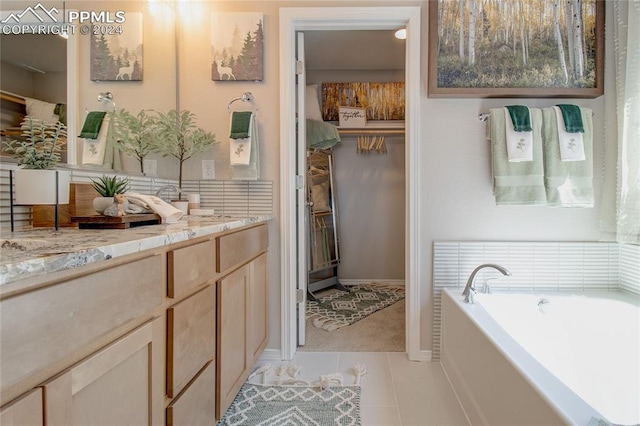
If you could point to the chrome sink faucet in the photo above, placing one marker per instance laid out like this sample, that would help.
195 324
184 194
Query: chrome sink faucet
470 290
167 187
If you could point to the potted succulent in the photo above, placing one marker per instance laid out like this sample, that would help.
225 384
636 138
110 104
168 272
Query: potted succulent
38 152
108 187
134 134
178 136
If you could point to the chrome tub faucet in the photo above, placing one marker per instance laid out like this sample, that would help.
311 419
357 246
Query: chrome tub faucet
470 289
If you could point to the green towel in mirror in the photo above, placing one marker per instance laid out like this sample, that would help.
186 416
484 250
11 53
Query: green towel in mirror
572 117
92 123
520 118
240 124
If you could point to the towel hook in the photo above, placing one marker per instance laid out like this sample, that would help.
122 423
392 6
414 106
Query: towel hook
246 97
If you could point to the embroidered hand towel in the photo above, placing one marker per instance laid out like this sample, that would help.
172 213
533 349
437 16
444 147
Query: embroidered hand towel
250 171
520 117
519 144
567 183
572 118
516 183
94 150
91 126
240 148
166 211
571 143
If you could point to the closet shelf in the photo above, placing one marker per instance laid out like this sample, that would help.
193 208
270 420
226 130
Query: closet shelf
375 128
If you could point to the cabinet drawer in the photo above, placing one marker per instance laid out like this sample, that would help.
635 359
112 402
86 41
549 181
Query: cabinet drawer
25 411
54 324
190 267
191 338
196 405
240 247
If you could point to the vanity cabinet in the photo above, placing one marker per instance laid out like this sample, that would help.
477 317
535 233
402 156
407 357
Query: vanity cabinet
242 311
165 336
111 387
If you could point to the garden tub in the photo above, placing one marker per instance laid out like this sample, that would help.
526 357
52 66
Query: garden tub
517 358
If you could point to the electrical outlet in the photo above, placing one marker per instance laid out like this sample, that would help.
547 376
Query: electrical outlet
150 167
208 169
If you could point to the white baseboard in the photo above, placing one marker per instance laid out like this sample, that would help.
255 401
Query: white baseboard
271 355
423 356
364 281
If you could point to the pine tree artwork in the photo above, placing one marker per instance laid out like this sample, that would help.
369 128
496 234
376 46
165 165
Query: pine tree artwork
116 51
237 46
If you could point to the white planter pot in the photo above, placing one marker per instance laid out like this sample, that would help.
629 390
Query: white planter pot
34 187
101 203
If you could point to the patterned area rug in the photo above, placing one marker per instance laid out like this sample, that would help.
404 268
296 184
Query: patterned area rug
261 405
344 308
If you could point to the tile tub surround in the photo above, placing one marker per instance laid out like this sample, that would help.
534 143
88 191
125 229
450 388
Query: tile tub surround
33 252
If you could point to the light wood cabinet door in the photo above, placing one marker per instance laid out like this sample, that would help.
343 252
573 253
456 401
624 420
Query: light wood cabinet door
257 309
111 387
26 411
196 405
231 348
191 338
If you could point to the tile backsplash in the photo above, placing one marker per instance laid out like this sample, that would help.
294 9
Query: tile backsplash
228 198
535 266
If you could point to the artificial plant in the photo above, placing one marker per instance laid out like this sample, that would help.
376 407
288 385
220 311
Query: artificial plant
178 136
109 186
40 145
134 135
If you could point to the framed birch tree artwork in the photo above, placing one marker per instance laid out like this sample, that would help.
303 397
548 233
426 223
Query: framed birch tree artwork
516 48
237 46
116 50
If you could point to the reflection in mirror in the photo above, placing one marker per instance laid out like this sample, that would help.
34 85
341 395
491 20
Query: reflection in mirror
33 80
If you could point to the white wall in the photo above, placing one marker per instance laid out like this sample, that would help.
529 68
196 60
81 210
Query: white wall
456 198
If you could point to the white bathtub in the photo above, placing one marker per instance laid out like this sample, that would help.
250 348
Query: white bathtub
571 359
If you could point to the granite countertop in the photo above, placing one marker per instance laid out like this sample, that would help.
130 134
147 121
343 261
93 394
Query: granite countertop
38 251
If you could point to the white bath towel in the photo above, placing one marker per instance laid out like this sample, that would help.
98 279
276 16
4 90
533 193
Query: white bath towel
571 144
240 149
166 211
93 150
249 171
519 144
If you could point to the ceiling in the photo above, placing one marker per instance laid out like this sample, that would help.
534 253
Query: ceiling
47 53
357 49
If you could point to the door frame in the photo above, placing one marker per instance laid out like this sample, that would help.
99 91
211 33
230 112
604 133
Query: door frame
349 18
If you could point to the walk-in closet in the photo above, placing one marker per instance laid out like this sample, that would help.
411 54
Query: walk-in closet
355 190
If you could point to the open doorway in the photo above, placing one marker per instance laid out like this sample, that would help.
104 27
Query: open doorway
293 264
357 277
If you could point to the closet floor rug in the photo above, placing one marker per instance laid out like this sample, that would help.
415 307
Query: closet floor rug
294 405
342 308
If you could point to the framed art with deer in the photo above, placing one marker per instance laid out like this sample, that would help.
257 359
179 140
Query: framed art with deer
237 46
516 48
116 50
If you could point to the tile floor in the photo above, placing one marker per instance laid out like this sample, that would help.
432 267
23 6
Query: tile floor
395 391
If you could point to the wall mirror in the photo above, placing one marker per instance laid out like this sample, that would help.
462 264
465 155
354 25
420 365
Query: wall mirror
55 70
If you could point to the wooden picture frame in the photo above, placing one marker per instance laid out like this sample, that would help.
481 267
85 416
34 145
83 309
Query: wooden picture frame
497 41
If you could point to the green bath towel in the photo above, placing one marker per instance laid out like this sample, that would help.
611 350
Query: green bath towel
520 183
567 183
240 124
572 118
92 123
321 135
520 117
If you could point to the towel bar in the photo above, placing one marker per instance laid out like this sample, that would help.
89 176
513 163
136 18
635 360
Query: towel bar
484 116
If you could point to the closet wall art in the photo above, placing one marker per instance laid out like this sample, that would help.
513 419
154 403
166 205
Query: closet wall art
525 48
116 50
237 46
